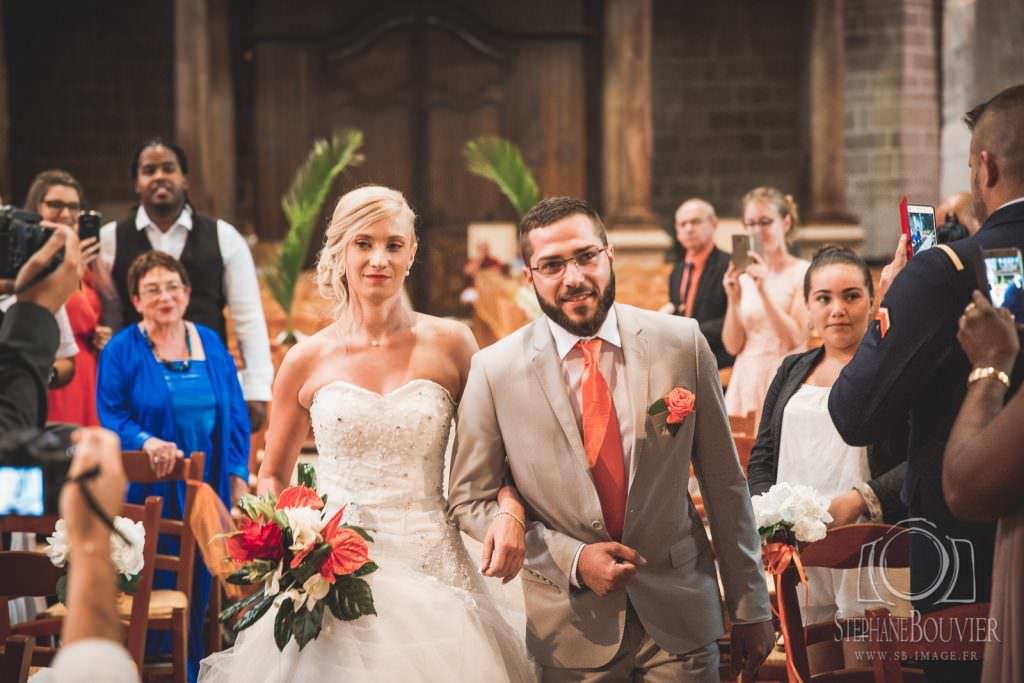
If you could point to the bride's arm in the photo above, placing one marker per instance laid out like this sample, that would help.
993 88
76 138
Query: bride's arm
289 425
505 542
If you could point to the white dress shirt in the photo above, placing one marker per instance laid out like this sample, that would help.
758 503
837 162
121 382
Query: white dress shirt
613 368
241 288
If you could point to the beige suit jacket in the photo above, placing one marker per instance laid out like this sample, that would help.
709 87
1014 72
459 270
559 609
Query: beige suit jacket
515 421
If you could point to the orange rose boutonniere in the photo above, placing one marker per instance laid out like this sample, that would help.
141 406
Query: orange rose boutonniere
678 403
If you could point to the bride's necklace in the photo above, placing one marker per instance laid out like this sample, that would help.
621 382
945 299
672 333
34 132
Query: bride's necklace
372 343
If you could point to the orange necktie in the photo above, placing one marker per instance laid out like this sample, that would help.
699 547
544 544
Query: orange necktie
601 440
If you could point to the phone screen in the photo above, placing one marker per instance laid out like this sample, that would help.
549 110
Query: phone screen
21 491
741 251
922 227
1004 270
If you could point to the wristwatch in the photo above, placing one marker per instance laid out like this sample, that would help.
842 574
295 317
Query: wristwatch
52 380
988 373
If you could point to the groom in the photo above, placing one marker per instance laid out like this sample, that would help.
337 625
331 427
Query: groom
619 577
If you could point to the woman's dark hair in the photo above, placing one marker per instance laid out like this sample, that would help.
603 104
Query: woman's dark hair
832 254
151 260
159 142
42 183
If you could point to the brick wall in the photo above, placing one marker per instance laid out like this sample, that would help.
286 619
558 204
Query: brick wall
892 120
727 90
88 82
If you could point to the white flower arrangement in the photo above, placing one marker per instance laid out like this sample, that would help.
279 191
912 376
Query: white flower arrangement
127 557
794 511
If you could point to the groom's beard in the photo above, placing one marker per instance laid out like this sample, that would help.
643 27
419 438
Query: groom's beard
583 328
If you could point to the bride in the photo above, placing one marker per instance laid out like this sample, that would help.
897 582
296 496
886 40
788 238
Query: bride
379 386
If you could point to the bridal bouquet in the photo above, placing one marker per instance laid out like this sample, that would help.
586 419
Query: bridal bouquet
305 562
127 557
791 513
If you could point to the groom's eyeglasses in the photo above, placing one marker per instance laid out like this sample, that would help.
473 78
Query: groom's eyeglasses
555 267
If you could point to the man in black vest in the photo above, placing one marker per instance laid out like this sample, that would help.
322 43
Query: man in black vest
215 255
695 285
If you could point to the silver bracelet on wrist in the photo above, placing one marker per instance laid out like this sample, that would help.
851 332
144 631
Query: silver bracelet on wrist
513 516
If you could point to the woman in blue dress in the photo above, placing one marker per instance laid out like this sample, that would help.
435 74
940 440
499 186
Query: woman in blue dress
169 387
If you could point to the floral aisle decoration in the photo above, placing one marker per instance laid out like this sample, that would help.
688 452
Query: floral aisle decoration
126 546
787 515
307 563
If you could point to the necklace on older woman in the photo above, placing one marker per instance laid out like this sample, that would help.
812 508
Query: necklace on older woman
172 365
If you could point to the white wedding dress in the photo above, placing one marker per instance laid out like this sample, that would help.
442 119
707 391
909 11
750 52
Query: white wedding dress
383 457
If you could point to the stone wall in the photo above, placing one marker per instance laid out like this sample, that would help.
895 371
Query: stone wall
728 98
87 83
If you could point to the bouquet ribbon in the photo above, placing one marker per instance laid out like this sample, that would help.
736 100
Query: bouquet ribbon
777 559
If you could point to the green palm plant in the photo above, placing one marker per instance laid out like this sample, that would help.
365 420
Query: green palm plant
500 161
302 204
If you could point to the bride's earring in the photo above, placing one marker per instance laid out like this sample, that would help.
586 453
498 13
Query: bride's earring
408 271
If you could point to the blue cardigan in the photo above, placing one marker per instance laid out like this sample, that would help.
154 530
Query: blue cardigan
132 399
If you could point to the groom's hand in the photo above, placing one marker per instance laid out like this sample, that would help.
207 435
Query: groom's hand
750 645
608 567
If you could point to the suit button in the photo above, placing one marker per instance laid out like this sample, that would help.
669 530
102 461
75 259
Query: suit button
597 525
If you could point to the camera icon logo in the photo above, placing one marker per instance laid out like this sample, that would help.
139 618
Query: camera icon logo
944 567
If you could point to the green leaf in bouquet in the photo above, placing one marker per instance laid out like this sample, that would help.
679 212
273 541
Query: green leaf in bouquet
62 588
128 584
231 611
307 475
311 565
283 624
258 570
361 531
257 611
306 624
239 578
350 598
368 568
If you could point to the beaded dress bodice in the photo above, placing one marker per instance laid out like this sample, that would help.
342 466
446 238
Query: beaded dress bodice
382 456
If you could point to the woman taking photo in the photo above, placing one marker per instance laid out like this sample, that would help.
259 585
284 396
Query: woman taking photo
167 387
57 196
797 442
765 318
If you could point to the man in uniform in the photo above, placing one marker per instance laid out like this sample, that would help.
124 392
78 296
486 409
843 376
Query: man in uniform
910 366
215 255
695 286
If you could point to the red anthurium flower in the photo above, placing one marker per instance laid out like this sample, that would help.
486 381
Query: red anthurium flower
256 540
299 496
348 553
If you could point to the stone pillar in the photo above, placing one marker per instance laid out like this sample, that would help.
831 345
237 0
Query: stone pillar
627 129
204 103
828 158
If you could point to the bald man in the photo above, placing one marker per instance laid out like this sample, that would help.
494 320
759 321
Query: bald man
695 286
921 374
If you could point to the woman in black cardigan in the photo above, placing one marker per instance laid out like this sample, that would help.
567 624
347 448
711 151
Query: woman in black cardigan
864 483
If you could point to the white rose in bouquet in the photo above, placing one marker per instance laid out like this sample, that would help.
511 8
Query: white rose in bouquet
795 510
128 558
305 524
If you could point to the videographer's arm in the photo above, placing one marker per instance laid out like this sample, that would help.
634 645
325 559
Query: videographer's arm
28 333
92 631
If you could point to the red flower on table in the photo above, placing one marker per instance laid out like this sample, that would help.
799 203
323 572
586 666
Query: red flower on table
299 496
680 403
256 540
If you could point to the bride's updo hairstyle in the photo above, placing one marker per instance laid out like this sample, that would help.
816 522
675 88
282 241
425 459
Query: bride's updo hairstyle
355 210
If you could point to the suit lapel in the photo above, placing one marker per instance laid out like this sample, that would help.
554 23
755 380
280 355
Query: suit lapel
638 373
546 368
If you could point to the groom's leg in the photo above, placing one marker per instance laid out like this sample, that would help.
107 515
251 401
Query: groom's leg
654 665
619 669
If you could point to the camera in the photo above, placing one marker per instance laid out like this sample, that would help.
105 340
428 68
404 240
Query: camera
20 237
952 230
33 466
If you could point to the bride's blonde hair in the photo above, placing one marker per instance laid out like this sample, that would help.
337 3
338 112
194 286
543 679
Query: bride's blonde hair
355 210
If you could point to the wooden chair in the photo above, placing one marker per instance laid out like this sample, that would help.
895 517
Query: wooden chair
17 659
743 424
169 609
28 574
899 643
135 620
842 548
